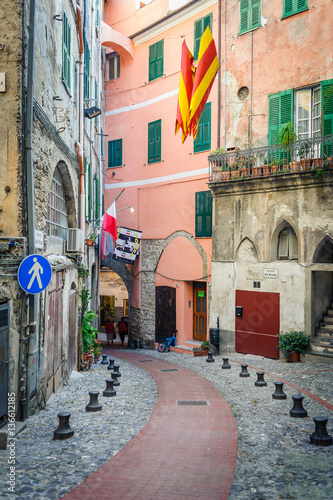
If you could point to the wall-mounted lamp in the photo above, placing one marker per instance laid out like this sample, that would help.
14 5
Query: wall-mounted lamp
131 209
92 112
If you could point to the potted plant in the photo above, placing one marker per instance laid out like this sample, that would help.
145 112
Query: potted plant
88 331
293 342
97 350
90 241
205 345
303 152
287 135
197 351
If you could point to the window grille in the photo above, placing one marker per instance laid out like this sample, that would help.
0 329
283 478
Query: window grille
57 220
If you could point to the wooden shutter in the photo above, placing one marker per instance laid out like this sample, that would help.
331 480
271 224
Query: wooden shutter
294 6
293 245
154 141
280 112
199 27
244 15
89 191
156 60
255 14
327 112
203 214
96 196
66 51
158 140
288 7
202 140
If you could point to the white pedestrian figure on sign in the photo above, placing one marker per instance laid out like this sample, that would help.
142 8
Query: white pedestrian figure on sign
35 269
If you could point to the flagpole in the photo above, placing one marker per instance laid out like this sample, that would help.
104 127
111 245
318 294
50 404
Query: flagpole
121 192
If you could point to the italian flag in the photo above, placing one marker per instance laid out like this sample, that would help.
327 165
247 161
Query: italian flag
109 231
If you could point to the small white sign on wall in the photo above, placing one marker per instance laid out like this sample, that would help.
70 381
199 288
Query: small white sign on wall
39 239
271 273
2 82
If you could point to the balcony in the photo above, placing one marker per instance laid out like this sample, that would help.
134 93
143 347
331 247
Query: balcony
306 155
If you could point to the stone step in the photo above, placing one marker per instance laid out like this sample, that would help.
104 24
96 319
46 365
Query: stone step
322 348
321 357
329 312
325 332
327 320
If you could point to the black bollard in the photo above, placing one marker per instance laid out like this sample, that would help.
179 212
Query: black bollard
279 394
63 431
320 436
225 365
297 410
244 372
260 382
105 359
210 358
109 390
116 370
111 364
93 404
115 379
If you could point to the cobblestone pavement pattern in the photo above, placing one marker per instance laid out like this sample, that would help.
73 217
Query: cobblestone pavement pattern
275 459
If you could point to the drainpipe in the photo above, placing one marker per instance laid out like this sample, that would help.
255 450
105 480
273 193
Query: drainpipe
81 116
30 189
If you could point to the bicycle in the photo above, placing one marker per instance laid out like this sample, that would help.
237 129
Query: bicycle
163 346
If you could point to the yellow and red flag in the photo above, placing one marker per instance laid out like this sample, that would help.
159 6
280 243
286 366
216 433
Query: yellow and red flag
185 92
208 65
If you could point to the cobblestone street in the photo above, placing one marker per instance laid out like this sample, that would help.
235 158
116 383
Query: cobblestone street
275 459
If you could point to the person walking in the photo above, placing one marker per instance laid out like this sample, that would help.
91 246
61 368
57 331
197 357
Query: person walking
109 330
122 329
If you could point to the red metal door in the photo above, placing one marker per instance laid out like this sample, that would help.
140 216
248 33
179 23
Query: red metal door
257 323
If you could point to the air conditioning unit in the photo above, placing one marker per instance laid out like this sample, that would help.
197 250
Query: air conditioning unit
74 241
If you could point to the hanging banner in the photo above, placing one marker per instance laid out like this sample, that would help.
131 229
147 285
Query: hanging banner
127 245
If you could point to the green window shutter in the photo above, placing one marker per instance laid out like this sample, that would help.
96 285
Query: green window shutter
85 200
202 140
327 113
291 7
250 15
96 197
203 214
154 141
199 28
89 191
115 153
87 72
156 52
280 112
256 14
66 51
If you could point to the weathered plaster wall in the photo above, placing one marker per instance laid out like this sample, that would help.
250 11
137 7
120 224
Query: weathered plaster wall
248 218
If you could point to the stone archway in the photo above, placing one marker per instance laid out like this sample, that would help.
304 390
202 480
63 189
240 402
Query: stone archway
151 252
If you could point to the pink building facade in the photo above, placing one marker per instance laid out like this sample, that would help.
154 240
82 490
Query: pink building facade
164 180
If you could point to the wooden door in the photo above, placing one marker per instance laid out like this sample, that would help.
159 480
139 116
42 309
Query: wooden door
165 314
200 312
257 323
4 362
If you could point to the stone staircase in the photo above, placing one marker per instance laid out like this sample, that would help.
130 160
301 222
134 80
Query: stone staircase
322 344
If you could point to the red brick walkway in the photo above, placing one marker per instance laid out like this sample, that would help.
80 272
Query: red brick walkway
183 452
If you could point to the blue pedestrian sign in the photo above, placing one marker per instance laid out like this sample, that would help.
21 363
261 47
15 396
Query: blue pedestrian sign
34 274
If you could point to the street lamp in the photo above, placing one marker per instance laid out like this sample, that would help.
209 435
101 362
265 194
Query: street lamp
131 209
92 112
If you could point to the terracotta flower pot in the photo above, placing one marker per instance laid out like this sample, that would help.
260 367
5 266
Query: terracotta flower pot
294 357
90 242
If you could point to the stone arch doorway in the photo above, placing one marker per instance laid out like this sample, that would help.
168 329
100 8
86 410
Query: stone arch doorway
180 263
322 291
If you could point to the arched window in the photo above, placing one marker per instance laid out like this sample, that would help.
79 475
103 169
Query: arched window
57 219
287 245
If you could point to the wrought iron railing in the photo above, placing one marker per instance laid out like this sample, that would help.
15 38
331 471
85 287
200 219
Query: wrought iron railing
298 156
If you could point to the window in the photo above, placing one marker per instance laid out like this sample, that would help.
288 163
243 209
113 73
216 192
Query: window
87 72
313 111
202 140
199 27
57 220
287 245
115 153
203 214
66 52
113 66
291 7
154 141
250 15
156 60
